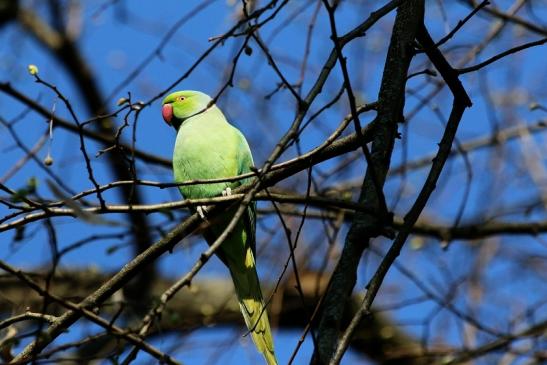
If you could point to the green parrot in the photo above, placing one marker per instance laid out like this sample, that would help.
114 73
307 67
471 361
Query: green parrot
208 147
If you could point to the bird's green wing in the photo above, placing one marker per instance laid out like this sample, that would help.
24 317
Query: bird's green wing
245 163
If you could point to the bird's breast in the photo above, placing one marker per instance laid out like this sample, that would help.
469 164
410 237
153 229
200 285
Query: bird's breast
200 155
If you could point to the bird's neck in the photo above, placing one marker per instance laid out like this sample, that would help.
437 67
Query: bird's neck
212 115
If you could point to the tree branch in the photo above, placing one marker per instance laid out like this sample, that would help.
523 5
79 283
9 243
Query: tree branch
365 226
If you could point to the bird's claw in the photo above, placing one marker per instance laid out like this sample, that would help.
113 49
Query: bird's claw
202 210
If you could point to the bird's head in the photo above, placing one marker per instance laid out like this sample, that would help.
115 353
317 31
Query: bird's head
181 105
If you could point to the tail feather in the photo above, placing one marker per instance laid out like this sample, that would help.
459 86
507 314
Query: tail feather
237 254
253 309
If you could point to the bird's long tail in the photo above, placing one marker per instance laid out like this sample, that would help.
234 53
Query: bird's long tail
252 306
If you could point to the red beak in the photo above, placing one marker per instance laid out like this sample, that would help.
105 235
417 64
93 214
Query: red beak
167 113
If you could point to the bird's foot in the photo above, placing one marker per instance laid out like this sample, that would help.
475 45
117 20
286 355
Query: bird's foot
202 211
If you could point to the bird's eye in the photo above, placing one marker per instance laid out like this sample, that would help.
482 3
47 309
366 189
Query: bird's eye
181 98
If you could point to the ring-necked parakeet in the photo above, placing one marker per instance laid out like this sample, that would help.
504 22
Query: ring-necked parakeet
208 147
